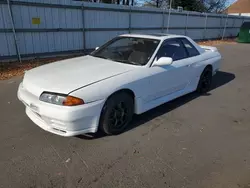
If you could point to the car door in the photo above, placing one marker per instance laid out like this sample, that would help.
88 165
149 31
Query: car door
165 80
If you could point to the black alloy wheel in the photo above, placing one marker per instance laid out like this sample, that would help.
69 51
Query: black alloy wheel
205 81
117 113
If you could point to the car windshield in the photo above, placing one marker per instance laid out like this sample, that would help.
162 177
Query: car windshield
129 50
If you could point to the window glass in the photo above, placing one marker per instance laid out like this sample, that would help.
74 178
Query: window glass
173 49
129 50
192 51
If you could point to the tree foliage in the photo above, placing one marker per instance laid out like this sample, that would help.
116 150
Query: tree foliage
191 5
119 2
216 6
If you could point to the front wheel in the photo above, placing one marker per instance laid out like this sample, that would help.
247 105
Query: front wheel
205 82
116 113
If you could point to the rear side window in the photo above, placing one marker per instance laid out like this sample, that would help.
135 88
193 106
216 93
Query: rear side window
192 51
173 49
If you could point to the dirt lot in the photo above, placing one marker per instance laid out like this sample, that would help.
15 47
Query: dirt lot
192 142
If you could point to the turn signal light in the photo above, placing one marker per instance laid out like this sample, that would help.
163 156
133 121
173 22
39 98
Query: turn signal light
72 101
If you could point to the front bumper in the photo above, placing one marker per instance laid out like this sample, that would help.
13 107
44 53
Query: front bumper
61 120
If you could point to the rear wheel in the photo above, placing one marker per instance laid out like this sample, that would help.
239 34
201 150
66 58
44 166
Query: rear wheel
117 113
205 81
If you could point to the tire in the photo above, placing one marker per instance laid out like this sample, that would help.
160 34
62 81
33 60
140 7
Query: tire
205 81
116 114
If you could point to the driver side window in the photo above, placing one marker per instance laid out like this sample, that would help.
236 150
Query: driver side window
173 49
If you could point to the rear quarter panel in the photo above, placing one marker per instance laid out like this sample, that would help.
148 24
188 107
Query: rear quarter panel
208 58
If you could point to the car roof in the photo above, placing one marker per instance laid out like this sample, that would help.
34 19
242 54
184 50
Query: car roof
159 36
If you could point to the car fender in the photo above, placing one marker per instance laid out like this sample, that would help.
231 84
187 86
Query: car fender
137 81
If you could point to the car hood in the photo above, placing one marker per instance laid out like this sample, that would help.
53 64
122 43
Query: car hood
68 75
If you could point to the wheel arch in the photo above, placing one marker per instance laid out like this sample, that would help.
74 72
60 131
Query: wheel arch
117 92
124 90
209 66
130 92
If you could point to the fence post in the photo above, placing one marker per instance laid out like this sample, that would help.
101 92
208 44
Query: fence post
233 27
225 26
186 26
205 28
169 12
243 20
14 31
129 20
221 25
233 22
83 28
163 20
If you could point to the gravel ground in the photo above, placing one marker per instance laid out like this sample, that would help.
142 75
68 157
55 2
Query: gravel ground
192 142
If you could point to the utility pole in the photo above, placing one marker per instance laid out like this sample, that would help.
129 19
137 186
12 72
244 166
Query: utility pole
169 11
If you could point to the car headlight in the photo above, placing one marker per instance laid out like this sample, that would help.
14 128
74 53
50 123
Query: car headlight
60 99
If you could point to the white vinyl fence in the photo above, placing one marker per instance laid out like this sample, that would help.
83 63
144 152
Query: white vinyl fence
34 28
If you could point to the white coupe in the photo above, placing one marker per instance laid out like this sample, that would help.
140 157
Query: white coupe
128 75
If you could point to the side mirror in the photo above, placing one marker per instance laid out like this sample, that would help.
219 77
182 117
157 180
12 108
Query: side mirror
96 48
163 61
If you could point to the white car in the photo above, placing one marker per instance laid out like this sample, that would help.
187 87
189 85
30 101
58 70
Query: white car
128 75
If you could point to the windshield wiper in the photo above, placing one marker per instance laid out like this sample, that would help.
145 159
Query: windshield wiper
99 56
118 60
103 57
134 63
128 62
